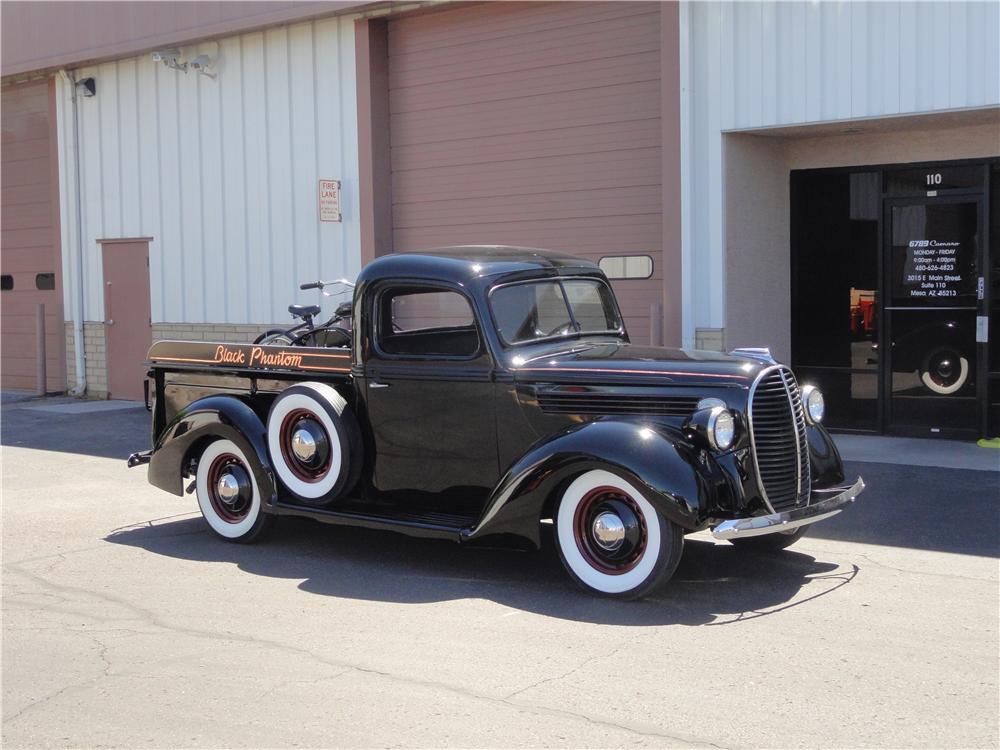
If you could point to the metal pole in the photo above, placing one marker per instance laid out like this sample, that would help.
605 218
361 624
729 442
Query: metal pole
656 324
40 363
78 344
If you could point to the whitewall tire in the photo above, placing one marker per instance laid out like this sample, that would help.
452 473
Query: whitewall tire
228 494
313 441
944 371
611 539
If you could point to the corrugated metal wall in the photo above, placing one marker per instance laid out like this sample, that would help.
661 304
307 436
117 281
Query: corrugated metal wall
222 173
752 65
531 124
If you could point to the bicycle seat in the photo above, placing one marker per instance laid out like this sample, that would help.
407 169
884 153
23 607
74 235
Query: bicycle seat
302 311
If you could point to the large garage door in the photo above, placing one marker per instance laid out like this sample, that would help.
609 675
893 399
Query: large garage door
30 260
531 124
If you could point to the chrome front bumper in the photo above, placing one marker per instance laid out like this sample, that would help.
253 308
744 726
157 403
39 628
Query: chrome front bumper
823 504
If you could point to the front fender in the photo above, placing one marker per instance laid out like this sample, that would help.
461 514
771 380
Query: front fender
827 469
198 424
670 471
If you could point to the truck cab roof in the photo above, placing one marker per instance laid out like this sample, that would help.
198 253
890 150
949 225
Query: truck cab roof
467 264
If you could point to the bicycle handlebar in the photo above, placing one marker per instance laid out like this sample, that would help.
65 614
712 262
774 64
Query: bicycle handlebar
321 284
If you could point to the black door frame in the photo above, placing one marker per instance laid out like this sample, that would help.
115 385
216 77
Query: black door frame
980 192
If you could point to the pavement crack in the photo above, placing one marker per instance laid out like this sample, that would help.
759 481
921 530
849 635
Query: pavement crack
608 724
910 571
586 662
102 653
315 681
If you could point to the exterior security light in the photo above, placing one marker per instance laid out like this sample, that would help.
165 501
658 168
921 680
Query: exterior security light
203 64
86 87
171 58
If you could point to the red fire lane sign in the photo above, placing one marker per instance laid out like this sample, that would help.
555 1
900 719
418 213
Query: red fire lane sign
329 200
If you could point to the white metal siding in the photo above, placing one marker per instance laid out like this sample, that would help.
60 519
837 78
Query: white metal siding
756 65
222 173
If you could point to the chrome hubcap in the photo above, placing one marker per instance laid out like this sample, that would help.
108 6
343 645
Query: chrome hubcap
608 531
228 488
303 445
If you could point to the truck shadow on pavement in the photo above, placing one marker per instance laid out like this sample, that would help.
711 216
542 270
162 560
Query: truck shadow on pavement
715 584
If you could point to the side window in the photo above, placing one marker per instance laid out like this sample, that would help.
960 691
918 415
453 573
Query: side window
426 322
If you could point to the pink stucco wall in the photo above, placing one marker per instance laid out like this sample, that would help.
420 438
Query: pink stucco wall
45 35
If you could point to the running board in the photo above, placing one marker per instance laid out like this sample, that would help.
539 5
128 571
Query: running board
429 525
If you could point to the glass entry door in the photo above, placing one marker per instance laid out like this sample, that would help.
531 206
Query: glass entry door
932 266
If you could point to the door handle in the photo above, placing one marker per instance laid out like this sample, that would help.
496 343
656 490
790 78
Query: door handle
376 384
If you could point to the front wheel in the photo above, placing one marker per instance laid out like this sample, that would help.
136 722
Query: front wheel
770 543
228 494
611 540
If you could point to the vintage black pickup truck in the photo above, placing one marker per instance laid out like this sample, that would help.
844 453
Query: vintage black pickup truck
485 393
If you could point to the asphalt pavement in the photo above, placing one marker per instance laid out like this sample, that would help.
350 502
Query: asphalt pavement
127 624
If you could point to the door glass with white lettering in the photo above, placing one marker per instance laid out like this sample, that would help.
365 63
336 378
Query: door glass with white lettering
934 251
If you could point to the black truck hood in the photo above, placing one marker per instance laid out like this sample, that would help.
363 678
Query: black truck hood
617 361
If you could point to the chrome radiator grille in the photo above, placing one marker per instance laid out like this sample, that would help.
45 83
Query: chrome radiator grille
778 437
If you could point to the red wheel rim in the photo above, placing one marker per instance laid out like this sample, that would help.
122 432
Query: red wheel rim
238 510
287 430
593 504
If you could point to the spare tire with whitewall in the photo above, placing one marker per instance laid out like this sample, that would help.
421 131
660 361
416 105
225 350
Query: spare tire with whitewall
314 442
228 494
611 540
944 370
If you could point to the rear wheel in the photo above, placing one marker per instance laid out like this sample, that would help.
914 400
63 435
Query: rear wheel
274 337
228 494
770 543
611 540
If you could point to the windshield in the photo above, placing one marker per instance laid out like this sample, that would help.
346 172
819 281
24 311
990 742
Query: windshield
538 310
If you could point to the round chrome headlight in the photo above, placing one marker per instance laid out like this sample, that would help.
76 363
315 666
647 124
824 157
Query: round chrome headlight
812 398
721 428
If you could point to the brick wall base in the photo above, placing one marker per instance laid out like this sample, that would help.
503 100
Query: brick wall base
710 339
95 350
241 334
95 356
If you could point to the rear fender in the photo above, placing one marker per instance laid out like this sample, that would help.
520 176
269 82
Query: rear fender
655 458
198 424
